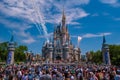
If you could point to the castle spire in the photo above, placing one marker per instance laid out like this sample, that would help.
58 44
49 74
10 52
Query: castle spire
104 40
12 38
63 18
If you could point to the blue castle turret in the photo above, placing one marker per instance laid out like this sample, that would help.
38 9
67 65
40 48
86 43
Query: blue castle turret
105 52
11 49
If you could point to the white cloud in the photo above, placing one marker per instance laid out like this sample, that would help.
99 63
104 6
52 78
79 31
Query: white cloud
74 14
29 40
109 1
117 19
74 36
48 36
18 29
77 27
114 3
25 9
49 11
89 35
106 33
75 23
105 13
94 15
77 2
67 3
24 37
71 15
14 25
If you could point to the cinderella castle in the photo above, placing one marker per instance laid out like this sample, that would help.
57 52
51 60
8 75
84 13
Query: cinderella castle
60 48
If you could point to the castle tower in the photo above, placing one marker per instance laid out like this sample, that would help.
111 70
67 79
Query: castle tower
66 51
11 49
64 31
105 52
79 54
61 48
63 20
50 52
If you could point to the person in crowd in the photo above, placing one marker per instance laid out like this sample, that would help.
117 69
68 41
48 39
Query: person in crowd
117 75
92 76
59 72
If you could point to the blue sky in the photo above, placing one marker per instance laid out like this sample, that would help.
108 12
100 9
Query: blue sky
32 21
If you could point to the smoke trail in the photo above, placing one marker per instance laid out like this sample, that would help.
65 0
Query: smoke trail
41 21
35 22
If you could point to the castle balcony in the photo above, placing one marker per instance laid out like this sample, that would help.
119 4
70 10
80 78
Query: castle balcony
11 49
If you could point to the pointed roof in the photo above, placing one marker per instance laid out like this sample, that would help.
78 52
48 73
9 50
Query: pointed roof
104 40
104 45
12 38
63 18
63 15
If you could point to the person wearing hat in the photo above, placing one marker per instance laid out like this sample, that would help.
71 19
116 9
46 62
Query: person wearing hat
92 76
117 75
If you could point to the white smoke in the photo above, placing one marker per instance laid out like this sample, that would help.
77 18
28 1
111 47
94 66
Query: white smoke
79 39
40 19
40 12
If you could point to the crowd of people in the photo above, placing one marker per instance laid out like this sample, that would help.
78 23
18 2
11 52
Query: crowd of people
59 72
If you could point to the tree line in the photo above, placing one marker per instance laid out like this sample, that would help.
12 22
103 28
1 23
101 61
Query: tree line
19 54
96 57
114 51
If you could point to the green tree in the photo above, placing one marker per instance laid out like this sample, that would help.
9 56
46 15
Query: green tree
115 54
96 57
114 51
19 53
3 51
